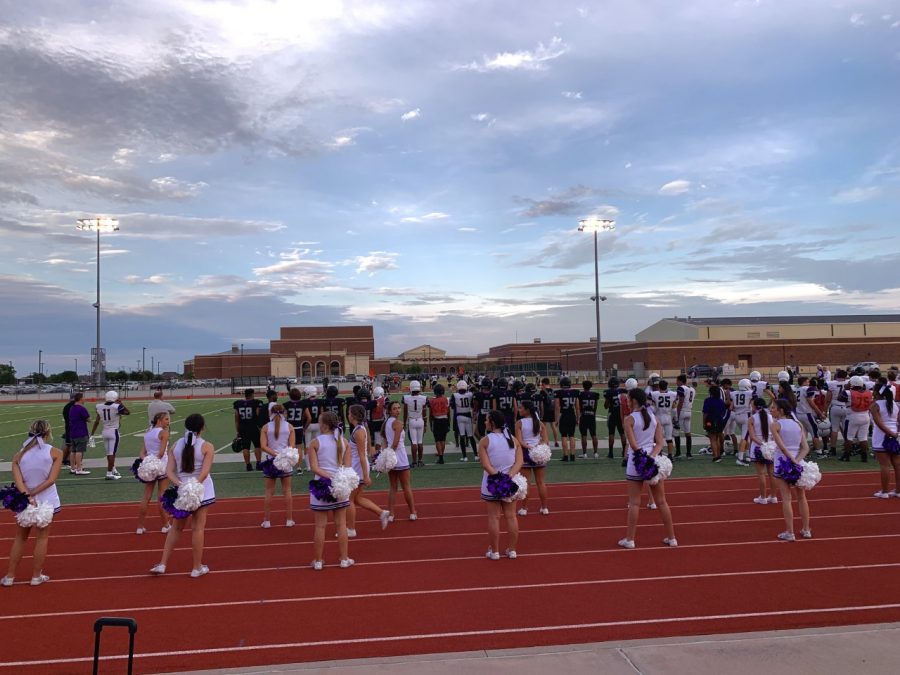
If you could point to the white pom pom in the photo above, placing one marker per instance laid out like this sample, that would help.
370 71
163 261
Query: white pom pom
286 460
386 460
522 483
540 454
768 450
810 477
151 468
343 482
39 516
190 494
664 468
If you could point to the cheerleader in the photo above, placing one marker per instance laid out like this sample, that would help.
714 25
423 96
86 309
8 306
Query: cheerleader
156 443
326 453
758 428
359 453
644 433
790 438
530 432
192 457
35 469
499 452
885 423
399 475
274 438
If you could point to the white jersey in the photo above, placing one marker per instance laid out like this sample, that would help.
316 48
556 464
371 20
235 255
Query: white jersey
415 404
110 414
688 394
462 403
836 388
804 396
758 388
664 403
740 402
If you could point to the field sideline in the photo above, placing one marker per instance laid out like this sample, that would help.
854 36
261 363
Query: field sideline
233 481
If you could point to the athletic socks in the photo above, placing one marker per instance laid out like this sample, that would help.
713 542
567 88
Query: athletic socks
688 440
678 445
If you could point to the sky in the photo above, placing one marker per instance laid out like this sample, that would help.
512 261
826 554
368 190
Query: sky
422 167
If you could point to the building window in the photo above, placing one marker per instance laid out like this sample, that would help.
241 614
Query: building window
754 335
306 369
773 334
335 368
320 369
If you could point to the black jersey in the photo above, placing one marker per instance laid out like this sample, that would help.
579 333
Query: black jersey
250 413
567 400
546 398
314 406
293 413
612 400
588 400
481 401
335 405
504 400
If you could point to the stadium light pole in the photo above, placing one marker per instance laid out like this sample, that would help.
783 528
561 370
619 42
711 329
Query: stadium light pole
595 225
143 359
98 225
40 370
242 363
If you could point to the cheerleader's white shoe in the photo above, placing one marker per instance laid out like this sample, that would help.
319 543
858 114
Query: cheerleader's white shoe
512 555
760 500
652 506
773 500
492 555
158 569
806 534
413 516
6 581
165 529
787 536
673 542
385 518
522 512
545 511
347 562
140 530
317 565
289 523
199 572
265 524
39 579
881 494
626 543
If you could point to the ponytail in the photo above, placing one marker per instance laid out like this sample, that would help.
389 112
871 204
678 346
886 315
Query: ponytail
498 421
640 397
535 420
760 406
277 412
194 425
36 433
886 392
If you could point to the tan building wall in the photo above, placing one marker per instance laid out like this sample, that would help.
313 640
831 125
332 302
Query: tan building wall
670 330
423 353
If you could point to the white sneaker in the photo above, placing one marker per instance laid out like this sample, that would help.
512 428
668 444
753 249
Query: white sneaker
652 506
881 494
317 565
390 518
626 543
140 530
289 523
545 511
492 555
347 562
741 462
522 512
760 500
351 533
116 472
773 500
199 572
111 476
165 529
6 581
158 569
787 536
413 516
72 470
512 555
463 459
893 493
806 534
583 455
673 542
39 579
265 525
82 472
596 455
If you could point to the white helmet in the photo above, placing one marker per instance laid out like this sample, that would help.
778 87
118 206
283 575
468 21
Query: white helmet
784 376
415 385
461 385
630 384
857 381
112 396
744 385
755 376
824 427
378 392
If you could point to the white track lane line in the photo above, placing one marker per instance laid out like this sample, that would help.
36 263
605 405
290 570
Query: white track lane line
459 634
440 591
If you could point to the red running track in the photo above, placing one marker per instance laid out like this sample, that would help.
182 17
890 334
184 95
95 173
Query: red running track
424 587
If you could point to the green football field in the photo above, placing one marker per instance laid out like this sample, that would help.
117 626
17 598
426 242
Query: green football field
233 481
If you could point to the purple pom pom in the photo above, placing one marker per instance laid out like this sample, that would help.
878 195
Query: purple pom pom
501 485
892 445
756 454
787 471
167 501
269 469
320 488
134 469
12 499
526 456
644 465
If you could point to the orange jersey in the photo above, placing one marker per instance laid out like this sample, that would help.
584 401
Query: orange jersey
440 406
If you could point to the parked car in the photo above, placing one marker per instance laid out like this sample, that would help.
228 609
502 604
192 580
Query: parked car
701 370
867 366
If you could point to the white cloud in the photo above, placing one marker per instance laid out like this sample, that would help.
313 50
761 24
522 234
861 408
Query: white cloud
857 19
572 94
122 156
173 188
156 279
855 195
114 251
467 229
411 115
375 261
60 261
434 215
675 187
536 59
480 117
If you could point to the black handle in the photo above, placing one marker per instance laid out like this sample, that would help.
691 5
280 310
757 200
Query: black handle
130 624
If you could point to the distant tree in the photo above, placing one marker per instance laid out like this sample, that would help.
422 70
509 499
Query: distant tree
38 378
64 376
117 376
146 376
7 374
414 369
